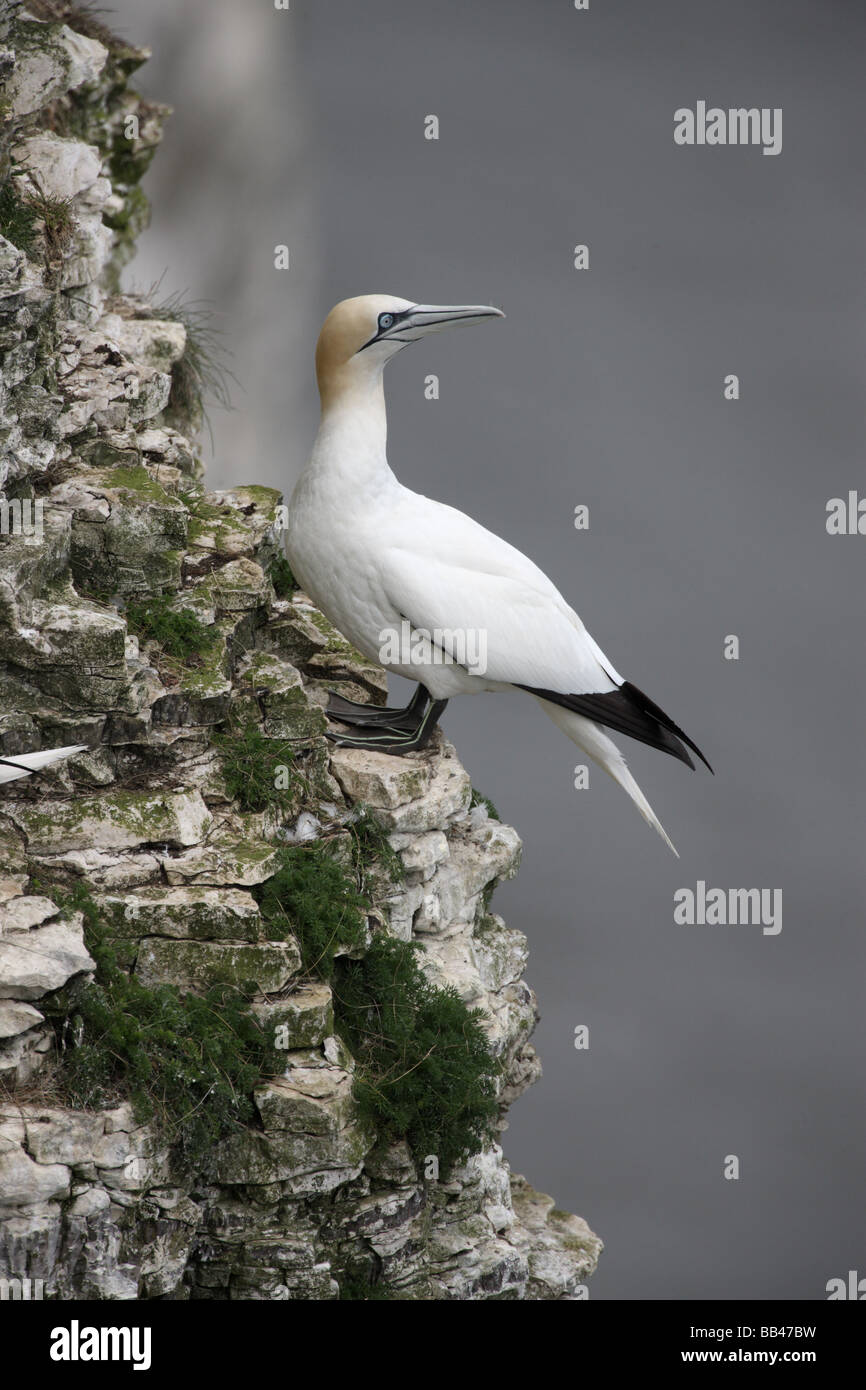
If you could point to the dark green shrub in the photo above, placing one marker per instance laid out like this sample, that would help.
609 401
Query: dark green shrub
179 632
311 897
249 765
370 846
425 1071
17 218
187 1063
281 576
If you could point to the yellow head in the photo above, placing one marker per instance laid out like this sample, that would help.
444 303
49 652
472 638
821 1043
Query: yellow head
360 335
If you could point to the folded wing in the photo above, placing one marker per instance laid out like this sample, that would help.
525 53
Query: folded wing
475 581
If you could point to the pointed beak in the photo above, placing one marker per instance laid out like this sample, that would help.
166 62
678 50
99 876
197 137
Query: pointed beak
430 318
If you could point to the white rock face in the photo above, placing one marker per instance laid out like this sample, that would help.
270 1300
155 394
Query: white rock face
11 886
62 1136
172 852
184 913
67 167
16 1017
380 780
46 958
421 853
177 818
24 1183
158 342
55 60
20 914
25 1054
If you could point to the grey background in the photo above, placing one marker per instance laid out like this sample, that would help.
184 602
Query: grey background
707 518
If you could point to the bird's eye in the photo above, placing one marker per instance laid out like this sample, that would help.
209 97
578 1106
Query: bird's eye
385 320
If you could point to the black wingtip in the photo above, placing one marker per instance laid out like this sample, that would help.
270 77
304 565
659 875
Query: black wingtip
652 709
628 711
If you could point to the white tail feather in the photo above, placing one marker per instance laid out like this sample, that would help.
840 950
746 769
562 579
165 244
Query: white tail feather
592 739
16 765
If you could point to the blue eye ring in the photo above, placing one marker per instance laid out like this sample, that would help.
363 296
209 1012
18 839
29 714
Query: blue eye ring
386 321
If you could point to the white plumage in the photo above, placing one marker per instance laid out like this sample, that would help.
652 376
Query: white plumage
374 555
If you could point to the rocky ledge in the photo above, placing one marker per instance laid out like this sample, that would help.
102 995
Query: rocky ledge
155 622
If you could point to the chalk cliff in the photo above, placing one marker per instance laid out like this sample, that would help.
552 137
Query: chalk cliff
155 622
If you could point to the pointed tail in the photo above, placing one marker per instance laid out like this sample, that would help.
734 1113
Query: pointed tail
22 764
590 737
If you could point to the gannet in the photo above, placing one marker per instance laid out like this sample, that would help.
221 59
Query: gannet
384 563
23 764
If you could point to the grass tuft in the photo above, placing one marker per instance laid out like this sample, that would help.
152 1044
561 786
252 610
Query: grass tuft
79 15
37 222
179 632
259 772
201 377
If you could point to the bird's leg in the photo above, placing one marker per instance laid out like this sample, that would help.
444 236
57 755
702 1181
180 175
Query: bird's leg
410 730
349 712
